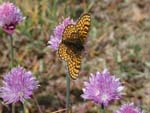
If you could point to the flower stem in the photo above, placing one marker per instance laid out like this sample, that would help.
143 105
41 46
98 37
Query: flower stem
67 93
12 63
13 107
24 108
102 109
11 51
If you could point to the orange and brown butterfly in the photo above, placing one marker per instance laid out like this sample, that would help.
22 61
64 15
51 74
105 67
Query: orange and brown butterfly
72 44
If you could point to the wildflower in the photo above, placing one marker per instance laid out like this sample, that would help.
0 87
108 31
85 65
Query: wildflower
102 88
128 108
18 85
10 16
55 39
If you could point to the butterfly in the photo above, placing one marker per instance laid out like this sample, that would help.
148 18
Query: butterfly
72 44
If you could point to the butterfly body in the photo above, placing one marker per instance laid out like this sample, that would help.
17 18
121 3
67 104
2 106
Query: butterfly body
72 44
75 44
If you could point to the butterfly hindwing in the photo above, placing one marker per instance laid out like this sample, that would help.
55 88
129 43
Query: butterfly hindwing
72 58
74 65
62 51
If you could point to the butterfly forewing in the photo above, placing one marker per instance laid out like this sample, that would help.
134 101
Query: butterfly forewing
69 32
83 26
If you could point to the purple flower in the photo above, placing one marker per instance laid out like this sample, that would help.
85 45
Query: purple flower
102 88
55 39
128 108
18 85
10 16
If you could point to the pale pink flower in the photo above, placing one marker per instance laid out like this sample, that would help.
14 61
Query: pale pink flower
10 16
18 85
102 88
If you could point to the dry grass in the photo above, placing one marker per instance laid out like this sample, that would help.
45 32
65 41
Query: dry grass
119 40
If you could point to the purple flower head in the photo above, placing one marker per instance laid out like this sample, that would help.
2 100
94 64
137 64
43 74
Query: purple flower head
55 39
102 88
10 16
18 85
128 108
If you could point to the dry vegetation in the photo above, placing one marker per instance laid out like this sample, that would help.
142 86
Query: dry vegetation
119 40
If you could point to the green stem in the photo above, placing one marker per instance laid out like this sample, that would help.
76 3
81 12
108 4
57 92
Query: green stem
24 108
102 109
67 93
13 107
12 63
11 51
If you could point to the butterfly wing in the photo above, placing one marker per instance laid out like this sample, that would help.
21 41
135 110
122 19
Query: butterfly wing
62 52
83 26
74 66
72 58
70 32
69 35
74 63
